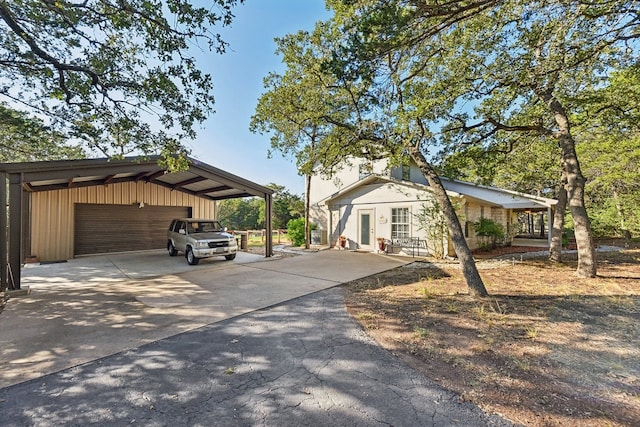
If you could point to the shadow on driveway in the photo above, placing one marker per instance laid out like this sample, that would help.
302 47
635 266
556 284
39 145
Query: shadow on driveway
304 362
92 307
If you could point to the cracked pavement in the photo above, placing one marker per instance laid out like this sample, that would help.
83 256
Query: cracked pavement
303 362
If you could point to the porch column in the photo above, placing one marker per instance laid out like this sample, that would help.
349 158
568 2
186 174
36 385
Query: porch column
550 224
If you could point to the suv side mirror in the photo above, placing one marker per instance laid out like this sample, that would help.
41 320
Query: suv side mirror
181 231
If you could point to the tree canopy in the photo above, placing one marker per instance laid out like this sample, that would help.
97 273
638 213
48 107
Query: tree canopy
26 139
249 213
492 74
609 146
424 80
109 73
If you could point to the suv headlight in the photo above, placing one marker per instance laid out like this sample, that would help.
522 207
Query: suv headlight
202 245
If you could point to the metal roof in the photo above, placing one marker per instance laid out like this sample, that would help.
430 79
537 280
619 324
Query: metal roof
490 195
506 199
200 179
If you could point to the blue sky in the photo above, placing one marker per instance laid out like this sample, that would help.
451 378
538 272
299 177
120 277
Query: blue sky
224 140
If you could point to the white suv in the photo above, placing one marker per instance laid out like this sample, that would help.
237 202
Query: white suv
200 238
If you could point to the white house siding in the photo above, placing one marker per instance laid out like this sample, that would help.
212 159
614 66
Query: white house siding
322 187
380 199
52 212
341 217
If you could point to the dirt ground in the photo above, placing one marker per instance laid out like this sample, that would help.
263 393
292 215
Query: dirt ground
545 349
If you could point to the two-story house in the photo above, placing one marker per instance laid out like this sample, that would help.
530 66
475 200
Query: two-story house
368 200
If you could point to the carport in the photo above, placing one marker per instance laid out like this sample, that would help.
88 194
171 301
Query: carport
200 181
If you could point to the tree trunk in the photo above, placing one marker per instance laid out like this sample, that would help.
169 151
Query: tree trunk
555 250
575 199
307 225
469 269
575 190
530 225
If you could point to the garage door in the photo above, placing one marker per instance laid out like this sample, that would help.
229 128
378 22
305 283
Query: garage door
120 228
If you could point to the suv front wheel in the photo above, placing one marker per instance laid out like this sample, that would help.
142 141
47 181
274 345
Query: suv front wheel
191 258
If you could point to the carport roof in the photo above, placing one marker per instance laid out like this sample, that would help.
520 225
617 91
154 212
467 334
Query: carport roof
200 179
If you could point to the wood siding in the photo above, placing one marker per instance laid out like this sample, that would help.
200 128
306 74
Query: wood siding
52 212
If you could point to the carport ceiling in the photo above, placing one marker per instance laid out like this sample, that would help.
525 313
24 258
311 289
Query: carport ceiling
200 179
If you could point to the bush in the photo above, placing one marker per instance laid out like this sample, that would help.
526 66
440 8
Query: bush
295 230
490 231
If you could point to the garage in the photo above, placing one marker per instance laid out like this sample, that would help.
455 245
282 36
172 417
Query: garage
103 229
57 210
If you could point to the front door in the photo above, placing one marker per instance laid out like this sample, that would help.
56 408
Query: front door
366 229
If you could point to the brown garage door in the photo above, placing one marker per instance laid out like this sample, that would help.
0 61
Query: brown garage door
120 228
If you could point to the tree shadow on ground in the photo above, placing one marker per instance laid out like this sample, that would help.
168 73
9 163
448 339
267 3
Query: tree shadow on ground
300 363
544 349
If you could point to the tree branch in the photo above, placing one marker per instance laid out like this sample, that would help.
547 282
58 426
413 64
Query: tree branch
7 17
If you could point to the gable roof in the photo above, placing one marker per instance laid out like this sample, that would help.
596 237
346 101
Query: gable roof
200 179
457 189
498 196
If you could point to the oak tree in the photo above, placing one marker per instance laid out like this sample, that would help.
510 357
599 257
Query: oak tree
484 69
330 107
293 111
109 73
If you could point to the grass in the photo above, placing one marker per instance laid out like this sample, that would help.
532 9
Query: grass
256 238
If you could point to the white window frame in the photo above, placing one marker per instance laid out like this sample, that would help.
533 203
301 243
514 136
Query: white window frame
400 222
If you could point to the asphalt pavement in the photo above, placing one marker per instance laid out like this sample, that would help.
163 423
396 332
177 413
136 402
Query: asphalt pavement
302 361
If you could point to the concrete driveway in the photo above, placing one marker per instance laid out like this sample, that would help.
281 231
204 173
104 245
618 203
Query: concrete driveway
92 307
143 339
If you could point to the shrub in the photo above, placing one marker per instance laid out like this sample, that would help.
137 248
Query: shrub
431 220
295 230
490 232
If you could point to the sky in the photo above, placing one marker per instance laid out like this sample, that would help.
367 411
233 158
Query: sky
224 140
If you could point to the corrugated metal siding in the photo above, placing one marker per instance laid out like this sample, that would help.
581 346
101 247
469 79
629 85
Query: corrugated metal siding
52 212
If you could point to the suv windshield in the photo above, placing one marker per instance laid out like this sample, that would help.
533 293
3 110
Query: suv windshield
204 227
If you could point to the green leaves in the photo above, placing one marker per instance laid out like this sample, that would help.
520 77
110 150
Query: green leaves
248 214
23 139
101 68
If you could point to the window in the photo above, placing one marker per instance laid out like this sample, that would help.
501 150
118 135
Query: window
406 173
400 223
